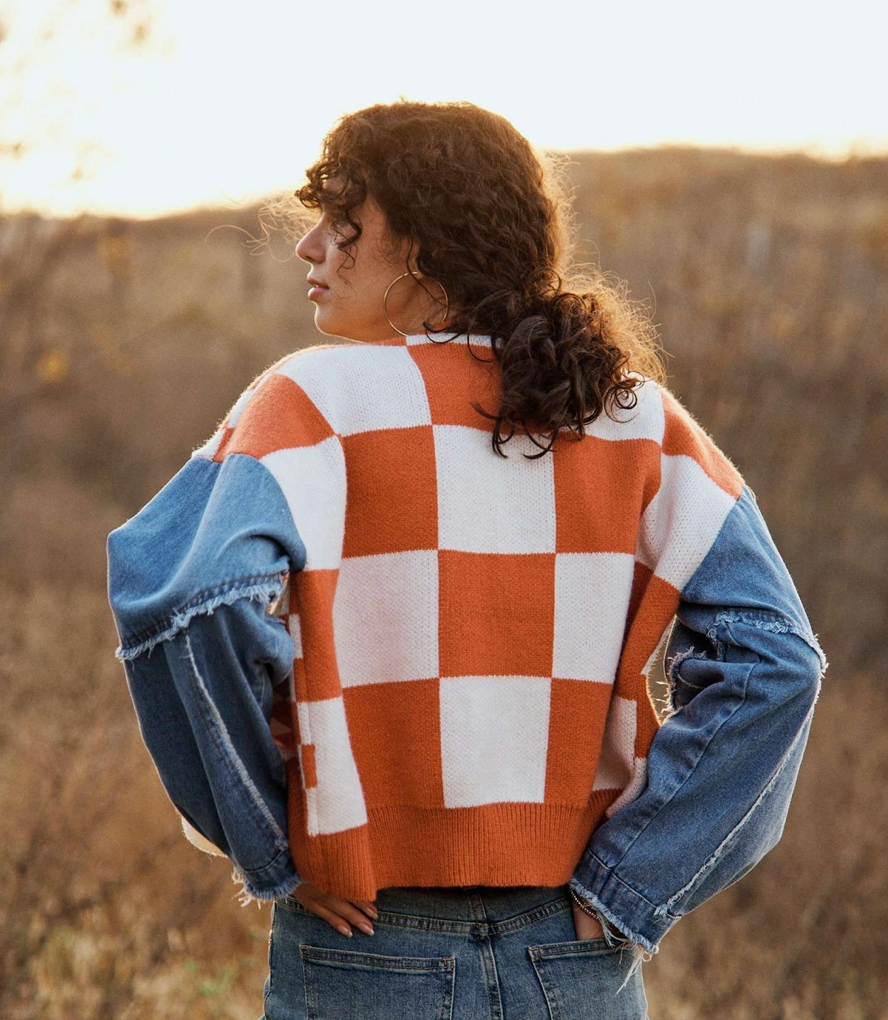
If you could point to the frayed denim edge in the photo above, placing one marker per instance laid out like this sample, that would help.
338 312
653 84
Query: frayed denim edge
268 590
250 892
776 624
613 919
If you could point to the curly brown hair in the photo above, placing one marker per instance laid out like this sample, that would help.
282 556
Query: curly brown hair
490 219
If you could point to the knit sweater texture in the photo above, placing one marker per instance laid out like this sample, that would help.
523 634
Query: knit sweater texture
473 633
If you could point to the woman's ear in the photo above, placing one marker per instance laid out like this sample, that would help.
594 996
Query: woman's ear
409 255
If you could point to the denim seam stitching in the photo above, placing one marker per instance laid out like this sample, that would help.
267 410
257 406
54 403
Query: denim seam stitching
273 863
613 876
740 702
218 732
664 908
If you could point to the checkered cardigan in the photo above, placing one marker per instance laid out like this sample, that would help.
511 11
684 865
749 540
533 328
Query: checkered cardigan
472 633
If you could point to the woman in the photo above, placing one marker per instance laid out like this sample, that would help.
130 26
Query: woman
397 672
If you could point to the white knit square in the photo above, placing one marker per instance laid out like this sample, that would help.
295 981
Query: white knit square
682 520
385 617
312 478
646 420
616 763
490 504
295 631
633 788
337 802
494 738
359 387
592 593
209 448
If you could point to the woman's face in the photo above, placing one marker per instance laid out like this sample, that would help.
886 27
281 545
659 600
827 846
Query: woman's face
349 295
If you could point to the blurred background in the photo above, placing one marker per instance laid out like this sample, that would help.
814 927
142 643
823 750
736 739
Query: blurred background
729 164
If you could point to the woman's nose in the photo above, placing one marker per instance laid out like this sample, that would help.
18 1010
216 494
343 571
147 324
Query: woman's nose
308 248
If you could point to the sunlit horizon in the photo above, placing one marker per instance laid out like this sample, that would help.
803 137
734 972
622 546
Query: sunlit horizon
215 111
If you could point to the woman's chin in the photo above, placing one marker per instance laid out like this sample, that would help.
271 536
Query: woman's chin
327 323
337 325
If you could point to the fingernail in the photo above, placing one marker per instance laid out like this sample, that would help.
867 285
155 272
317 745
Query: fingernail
368 928
346 931
373 912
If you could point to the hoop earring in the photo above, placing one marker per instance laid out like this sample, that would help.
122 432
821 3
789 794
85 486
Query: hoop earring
385 302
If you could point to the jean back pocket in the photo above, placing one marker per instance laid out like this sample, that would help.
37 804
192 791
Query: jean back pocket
345 985
587 978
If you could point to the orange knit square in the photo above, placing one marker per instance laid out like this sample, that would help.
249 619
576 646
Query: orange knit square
309 765
657 602
454 380
497 613
390 724
577 713
315 591
391 503
280 416
601 490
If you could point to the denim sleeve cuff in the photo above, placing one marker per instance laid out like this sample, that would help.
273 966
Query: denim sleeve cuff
272 882
634 916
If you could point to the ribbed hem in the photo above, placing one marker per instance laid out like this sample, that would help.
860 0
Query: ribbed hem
503 844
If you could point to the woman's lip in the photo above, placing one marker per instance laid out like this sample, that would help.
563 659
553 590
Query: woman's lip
316 291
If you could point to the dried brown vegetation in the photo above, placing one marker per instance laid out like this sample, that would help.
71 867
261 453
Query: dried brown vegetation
124 343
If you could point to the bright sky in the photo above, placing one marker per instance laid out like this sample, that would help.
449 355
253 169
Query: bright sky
226 102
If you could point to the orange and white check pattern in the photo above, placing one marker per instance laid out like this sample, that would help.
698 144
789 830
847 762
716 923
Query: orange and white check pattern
473 633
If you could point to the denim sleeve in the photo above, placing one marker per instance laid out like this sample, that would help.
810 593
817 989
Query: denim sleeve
203 699
744 673
190 577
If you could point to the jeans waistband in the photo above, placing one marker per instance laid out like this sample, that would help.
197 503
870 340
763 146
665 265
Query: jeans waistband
468 907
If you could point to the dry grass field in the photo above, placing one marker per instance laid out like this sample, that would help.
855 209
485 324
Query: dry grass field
122 344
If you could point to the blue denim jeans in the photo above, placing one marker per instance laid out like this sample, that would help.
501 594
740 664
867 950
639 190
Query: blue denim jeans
460 953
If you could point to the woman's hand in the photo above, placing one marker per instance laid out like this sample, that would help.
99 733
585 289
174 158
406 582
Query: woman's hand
336 912
340 914
587 927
